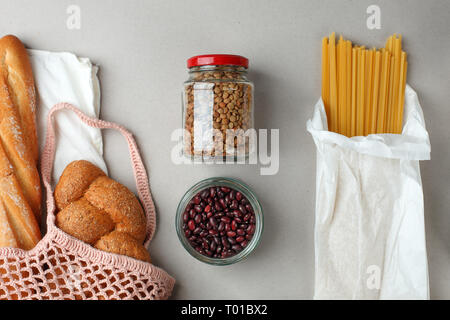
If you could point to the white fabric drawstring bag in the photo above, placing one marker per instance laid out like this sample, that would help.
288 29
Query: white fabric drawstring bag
369 228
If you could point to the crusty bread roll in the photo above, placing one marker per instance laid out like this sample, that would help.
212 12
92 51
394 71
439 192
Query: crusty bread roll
100 211
20 189
122 243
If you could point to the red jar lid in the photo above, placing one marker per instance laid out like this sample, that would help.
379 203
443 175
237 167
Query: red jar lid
217 59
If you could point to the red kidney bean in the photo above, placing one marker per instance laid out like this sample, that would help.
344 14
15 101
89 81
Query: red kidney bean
213 246
236 247
225 243
213 222
204 194
219 222
231 233
222 203
225 219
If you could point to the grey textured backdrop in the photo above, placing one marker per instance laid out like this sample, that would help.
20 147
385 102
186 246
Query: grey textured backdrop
142 46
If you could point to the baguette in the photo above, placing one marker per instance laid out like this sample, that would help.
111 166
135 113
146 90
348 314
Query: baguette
7 236
20 189
16 70
20 221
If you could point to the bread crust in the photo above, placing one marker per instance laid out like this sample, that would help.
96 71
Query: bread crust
20 188
16 70
7 235
17 119
74 181
84 221
18 214
100 211
122 205
122 243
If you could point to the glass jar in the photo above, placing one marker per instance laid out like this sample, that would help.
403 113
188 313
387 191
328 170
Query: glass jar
183 216
217 108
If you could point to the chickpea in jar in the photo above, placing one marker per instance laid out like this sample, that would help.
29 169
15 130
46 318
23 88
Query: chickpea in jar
218 107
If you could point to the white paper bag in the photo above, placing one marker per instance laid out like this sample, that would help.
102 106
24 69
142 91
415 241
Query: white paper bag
369 229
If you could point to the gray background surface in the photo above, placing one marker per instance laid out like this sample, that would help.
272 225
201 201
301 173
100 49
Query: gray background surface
142 47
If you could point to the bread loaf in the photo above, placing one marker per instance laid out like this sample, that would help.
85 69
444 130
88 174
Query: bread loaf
20 190
100 211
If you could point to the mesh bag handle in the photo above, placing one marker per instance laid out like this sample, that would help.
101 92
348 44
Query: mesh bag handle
140 174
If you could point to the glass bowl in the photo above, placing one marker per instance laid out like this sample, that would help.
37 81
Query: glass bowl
232 184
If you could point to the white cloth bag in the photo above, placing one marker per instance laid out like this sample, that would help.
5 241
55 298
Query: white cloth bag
369 226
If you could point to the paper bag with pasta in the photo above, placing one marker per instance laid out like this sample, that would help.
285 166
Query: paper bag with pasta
370 134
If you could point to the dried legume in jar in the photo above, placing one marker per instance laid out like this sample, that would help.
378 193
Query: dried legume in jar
218 107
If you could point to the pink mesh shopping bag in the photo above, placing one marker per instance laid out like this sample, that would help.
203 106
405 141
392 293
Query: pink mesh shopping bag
63 267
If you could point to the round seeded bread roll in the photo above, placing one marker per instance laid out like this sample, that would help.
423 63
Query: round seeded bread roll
100 211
